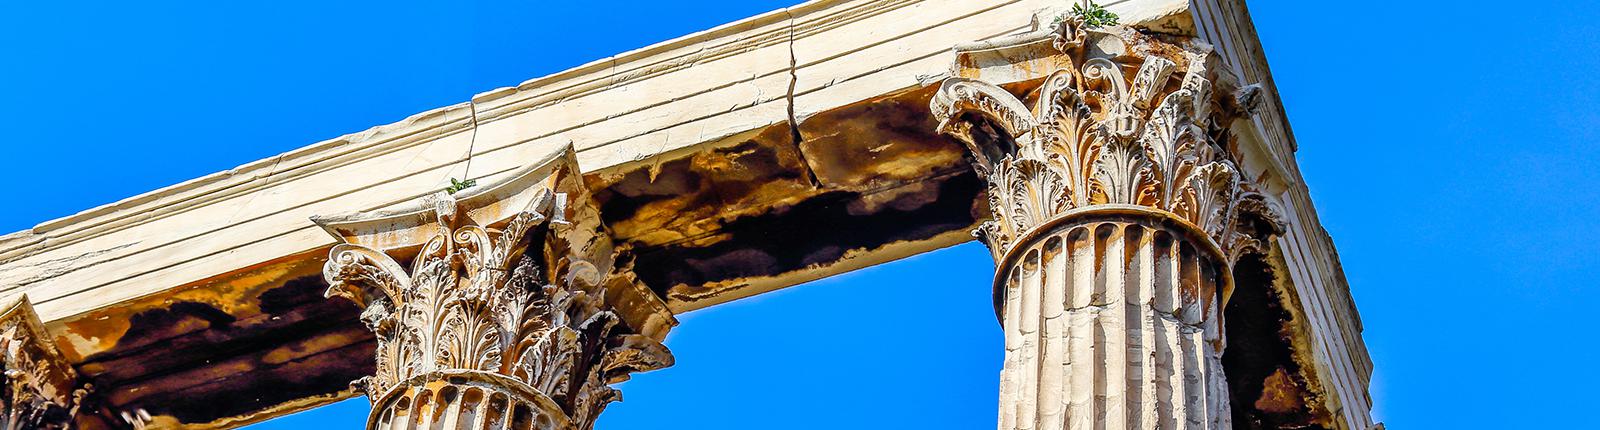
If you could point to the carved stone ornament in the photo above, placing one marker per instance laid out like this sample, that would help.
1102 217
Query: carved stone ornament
503 325
1257 219
1139 127
1116 203
41 388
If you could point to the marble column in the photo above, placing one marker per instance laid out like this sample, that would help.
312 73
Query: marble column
1111 194
1111 321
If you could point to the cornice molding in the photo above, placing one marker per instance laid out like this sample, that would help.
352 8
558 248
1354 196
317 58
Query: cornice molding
430 125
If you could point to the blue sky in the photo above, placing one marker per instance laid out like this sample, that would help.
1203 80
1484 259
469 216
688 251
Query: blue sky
1450 148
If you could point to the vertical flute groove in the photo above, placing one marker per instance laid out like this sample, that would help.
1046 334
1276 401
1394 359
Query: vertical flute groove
1013 338
1032 290
1082 365
1052 400
1109 326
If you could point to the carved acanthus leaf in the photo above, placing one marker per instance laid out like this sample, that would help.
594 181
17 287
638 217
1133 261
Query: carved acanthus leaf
487 300
1256 220
41 390
1120 128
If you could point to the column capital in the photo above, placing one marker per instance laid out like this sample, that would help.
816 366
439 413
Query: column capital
515 304
42 390
1118 209
1125 118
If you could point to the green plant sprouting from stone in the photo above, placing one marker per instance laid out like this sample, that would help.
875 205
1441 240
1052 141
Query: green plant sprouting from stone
460 185
466 183
1093 15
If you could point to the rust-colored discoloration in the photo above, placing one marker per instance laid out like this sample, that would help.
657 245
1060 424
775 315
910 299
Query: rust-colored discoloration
1280 394
1270 379
240 385
712 222
691 195
701 225
878 144
206 301
724 220
769 244
219 350
864 177
1011 62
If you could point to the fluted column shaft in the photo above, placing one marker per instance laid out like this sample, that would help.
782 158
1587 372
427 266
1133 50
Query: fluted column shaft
1111 322
466 400
1114 187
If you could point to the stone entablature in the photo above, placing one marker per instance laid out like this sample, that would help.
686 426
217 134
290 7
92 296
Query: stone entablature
726 84
686 148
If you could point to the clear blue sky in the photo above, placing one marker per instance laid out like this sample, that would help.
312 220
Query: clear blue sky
1450 148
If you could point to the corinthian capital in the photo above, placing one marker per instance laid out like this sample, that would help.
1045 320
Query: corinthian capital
513 306
41 388
1125 119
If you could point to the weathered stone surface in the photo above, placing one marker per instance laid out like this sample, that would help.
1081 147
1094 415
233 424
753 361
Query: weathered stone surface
1112 197
200 354
754 156
41 390
512 313
1271 376
1112 321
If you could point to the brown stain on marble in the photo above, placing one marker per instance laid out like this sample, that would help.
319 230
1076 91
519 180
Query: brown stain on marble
219 349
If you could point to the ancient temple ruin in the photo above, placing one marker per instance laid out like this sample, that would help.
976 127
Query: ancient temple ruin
1160 264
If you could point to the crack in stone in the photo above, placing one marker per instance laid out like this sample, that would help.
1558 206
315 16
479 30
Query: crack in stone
60 266
794 120
1174 318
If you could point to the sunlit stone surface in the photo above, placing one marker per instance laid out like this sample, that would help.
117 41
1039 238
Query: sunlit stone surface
765 153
